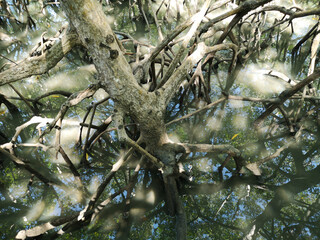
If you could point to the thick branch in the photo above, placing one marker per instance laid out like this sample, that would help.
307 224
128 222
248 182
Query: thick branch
95 33
115 72
40 64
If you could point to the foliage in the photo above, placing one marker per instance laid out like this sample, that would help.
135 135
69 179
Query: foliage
246 115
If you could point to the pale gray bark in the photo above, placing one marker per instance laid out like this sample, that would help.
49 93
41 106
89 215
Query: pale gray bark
40 64
116 74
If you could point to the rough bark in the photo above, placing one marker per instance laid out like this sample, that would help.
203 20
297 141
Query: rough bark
146 108
36 65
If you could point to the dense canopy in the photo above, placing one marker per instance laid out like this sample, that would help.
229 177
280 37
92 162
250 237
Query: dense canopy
159 119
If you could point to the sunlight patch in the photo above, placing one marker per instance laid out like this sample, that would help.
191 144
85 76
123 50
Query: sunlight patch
74 195
174 138
270 54
94 184
137 212
36 211
18 190
253 148
235 103
75 80
255 78
101 94
8 91
302 25
151 198
214 124
203 165
70 135
50 211
111 19
240 122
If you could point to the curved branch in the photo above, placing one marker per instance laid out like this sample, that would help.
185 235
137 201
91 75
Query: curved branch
285 95
44 177
283 197
40 64
173 83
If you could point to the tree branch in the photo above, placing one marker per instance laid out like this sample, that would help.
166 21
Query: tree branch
286 94
41 64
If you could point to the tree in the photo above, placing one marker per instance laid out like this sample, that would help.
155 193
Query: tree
193 120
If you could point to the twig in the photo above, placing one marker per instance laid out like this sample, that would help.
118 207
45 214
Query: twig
197 111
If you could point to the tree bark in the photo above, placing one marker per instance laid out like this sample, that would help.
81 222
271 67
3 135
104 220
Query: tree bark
146 108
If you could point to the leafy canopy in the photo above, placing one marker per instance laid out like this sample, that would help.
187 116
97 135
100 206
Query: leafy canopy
245 111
